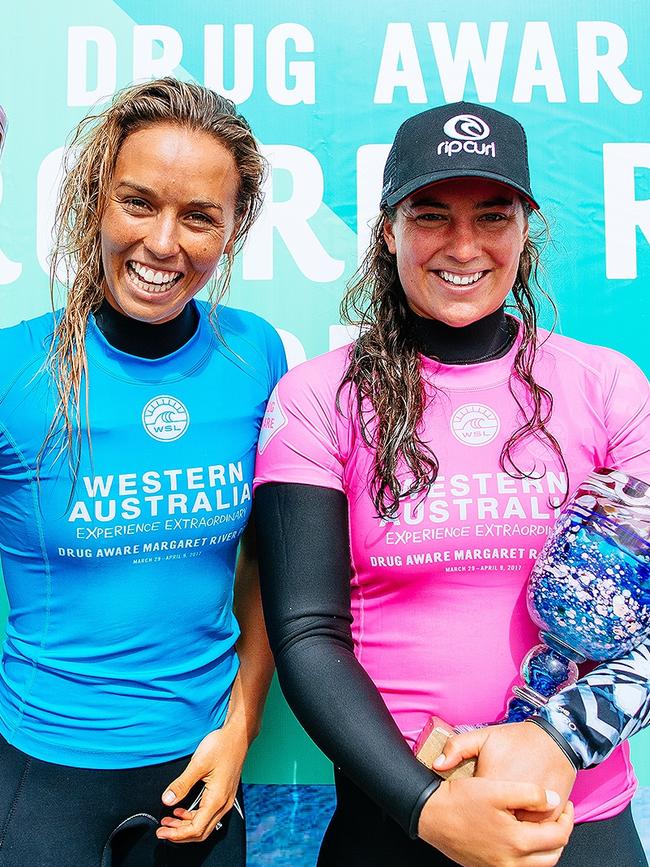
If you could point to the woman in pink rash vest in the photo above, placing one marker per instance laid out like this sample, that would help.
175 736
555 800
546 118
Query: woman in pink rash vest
405 486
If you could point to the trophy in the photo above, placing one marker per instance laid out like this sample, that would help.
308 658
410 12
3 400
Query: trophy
589 593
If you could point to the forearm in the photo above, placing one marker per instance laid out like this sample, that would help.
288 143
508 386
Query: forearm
251 685
305 564
603 708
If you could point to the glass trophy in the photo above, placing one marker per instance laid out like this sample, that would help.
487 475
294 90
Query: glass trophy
589 593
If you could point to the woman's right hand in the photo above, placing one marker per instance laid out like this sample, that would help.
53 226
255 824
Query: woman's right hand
473 822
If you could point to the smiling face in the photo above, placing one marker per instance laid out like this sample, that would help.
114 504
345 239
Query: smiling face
457 245
169 217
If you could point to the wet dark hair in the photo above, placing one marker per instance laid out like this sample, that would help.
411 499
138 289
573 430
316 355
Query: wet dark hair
385 372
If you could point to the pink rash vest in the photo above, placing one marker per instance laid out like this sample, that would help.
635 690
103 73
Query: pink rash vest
440 620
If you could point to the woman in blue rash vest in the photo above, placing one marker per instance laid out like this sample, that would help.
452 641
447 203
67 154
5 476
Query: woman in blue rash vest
131 683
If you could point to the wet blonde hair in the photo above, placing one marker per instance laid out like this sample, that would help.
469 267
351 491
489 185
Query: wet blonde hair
89 165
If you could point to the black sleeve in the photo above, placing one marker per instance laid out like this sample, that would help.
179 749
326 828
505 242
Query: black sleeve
303 546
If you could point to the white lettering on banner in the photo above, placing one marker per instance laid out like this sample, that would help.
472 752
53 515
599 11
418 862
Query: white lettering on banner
157 50
371 159
293 348
148 38
48 182
278 70
399 66
105 71
243 61
624 213
9 271
291 219
485 65
537 48
338 335
592 66
538 66
341 335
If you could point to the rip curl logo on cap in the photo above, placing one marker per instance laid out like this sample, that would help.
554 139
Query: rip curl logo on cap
273 422
475 424
165 418
466 127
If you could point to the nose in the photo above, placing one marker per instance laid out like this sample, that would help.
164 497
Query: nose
463 242
162 239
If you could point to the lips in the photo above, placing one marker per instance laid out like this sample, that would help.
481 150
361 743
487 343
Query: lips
456 279
150 279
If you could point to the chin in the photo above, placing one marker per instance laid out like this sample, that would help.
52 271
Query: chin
463 316
460 320
143 312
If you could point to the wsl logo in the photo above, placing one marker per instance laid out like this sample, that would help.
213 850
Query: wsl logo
467 132
165 418
475 424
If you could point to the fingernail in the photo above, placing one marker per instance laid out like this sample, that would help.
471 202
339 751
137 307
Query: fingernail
439 762
169 797
552 798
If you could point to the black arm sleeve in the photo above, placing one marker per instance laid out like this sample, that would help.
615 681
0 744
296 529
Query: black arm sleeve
303 546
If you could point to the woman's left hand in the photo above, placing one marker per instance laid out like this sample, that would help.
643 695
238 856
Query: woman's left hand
517 752
219 758
218 761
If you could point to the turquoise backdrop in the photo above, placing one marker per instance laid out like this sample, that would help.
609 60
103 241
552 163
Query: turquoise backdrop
325 87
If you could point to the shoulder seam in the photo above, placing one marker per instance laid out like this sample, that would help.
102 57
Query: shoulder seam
575 358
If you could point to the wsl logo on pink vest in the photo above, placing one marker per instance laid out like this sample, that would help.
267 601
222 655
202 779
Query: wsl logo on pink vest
474 424
467 133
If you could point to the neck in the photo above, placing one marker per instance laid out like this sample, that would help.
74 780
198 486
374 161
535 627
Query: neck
486 339
142 338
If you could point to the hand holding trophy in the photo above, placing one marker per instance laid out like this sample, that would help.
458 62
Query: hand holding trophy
589 592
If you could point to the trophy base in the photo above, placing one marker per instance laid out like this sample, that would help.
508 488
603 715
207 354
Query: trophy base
431 743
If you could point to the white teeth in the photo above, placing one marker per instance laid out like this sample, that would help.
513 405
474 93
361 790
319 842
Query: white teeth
147 277
460 279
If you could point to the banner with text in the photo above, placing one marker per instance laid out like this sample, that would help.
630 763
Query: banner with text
325 90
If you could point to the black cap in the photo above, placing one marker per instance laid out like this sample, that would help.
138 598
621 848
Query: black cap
456 141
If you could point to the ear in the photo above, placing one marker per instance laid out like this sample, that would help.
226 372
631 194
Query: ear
524 234
389 236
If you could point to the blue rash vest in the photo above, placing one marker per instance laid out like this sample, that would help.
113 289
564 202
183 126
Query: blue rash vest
120 640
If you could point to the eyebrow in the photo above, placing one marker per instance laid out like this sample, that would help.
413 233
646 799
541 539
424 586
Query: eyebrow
203 204
498 201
